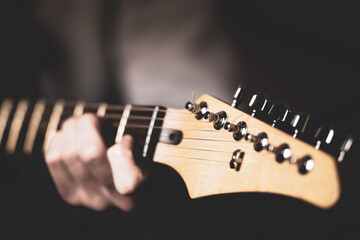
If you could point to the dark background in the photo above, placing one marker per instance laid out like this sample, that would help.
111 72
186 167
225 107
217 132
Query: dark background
305 53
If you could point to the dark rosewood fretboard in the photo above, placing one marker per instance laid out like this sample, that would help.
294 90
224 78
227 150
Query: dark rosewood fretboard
27 126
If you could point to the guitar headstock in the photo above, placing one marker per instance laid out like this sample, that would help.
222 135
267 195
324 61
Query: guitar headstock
225 150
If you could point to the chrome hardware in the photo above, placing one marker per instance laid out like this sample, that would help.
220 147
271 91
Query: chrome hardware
305 164
218 119
260 141
345 147
237 97
324 133
278 112
258 103
300 122
199 109
192 107
239 130
237 159
282 153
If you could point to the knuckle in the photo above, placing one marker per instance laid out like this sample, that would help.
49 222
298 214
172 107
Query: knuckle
91 153
52 157
100 206
84 175
97 203
70 155
128 185
89 118
69 123
119 151
70 197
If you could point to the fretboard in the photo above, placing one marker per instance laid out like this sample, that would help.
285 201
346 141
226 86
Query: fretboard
27 126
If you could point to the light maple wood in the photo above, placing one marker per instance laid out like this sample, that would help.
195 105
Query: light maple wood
202 159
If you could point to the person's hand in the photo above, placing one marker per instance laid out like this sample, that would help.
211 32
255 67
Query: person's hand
86 173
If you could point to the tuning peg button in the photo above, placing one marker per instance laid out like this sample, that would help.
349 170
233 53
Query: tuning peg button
282 153
324 134
278 112
258 103
260 141
237 97
305 164
345 147
300 122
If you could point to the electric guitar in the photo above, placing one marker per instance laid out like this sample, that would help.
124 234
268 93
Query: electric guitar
215 147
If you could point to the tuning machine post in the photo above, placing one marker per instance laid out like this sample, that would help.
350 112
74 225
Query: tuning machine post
198 109
218 119
239 130
237 159
260 141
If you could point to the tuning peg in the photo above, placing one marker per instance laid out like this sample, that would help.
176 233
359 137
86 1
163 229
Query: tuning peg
237 96
278 112
300 122
305 164
258 103
239 130
198 109
282 153
324 133
260 141
218 119
345 147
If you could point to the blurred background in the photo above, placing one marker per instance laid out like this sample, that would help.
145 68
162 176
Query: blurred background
305 53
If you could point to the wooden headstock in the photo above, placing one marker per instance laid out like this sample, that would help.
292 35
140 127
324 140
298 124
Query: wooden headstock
203 157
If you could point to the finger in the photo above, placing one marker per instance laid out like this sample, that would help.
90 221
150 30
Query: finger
123 202
63 179
128 176
93 196
93 149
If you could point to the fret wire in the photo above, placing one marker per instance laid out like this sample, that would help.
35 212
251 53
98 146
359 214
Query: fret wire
123 122
53 122
79 109
101 111
33 127
5 111
16 125
150 129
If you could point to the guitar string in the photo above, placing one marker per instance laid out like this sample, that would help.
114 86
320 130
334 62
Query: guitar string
201 159
118 117
190 158
198 149
94 106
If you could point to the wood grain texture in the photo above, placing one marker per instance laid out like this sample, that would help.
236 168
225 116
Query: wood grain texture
202 159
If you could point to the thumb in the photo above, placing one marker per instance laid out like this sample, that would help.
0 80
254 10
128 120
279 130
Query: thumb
127 175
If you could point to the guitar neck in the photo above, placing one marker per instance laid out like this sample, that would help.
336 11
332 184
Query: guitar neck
27 126
215 147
